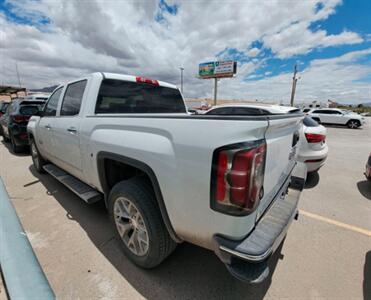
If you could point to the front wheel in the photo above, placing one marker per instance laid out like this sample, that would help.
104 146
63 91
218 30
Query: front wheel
353 124
37 159
138 224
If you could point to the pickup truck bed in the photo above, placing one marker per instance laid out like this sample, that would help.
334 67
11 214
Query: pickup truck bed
132 139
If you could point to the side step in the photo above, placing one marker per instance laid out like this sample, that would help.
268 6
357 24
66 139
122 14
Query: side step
81 189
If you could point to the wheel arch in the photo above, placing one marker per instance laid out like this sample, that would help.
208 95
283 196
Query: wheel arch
355 120
103 157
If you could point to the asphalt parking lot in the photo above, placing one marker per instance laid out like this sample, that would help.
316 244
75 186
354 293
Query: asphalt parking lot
326 255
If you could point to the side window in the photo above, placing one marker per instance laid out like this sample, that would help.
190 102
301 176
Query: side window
72 98
51 107
335 112
221 111
247 111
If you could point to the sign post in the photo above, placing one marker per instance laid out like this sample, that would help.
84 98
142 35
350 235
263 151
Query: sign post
217 69
215 89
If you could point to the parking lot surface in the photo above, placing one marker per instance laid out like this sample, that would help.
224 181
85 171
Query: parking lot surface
326 255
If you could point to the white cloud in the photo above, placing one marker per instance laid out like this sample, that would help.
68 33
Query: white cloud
123 37
253 52
298 39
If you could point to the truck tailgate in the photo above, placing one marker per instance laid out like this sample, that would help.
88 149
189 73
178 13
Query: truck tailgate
281 138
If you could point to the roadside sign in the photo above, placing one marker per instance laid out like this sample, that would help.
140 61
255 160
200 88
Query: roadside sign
217 69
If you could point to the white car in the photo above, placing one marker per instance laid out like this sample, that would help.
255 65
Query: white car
251 110
337 116
313 148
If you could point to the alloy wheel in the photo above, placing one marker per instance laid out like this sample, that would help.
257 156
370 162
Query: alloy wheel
131 226
353 124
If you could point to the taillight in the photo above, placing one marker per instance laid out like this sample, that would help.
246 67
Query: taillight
238 177
146 80
20 118
315 138
1 113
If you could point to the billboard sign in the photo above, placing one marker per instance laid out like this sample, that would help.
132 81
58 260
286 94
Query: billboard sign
217 69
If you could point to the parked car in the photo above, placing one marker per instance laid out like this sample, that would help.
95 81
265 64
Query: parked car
366 114
37 97
250 109
313 148
14 122
368 168
227 183
3 107
337 116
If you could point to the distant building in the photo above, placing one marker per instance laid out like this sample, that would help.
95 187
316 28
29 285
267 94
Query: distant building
313 104
332 104
7 93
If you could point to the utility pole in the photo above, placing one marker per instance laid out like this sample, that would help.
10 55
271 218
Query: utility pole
181 79
19 79
215 89
293 89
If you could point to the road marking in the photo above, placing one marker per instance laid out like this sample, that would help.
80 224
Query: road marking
336 223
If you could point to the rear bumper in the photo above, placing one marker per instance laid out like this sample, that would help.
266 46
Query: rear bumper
314 159
247 259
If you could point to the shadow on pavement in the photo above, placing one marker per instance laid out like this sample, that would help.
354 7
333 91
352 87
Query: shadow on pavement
340 126
8 146
312 180
367 277
190 272
364 188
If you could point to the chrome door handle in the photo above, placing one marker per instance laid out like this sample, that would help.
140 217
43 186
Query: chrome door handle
72 129
47 127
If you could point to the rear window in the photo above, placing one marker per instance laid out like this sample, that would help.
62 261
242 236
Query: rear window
309 122
118 96
29 110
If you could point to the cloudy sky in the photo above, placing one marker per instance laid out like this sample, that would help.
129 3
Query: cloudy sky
330 40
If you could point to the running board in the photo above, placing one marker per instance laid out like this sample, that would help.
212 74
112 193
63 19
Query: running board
81 189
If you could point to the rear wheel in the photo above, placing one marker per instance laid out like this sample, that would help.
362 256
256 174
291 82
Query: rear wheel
15 147
5 138
37 159
138 223
353 124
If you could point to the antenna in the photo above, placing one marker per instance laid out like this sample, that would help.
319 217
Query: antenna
19 79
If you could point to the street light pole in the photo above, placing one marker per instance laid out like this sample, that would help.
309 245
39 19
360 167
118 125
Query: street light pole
293 89
181 79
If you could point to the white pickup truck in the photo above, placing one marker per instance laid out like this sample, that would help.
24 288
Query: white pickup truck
230 184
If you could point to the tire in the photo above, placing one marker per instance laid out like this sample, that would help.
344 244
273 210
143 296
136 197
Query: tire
138 193
353 124
37 159
5 139
15 147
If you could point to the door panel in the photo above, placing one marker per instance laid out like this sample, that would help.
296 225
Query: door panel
66 137
44 136
66 133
